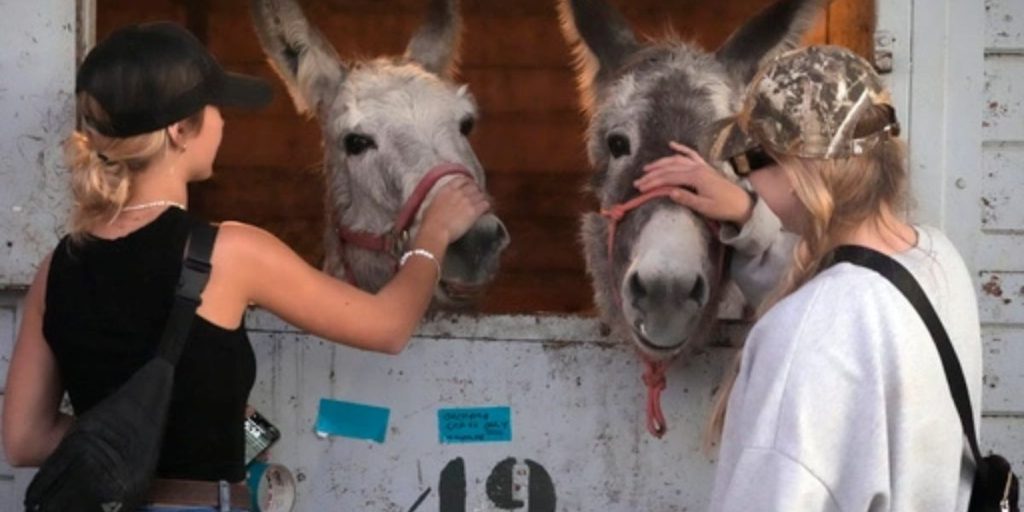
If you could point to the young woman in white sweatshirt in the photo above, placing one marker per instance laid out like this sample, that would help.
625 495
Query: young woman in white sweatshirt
839 401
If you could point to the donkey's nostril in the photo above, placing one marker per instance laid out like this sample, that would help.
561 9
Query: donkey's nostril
636 286
697 292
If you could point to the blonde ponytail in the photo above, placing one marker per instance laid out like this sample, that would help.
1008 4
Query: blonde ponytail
102 167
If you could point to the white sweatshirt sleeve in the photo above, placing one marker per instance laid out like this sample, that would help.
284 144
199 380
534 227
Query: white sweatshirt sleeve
763 252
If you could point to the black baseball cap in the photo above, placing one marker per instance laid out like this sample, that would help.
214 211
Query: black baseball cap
149 76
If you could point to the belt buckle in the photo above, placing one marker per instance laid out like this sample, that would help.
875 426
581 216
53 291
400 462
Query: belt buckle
224 496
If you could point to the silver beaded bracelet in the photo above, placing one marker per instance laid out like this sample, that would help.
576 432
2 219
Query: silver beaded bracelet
424 253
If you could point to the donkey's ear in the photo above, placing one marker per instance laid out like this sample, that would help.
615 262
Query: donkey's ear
435 45
777 28
601 41
300 54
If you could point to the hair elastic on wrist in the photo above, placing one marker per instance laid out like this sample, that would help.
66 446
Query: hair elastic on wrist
423 253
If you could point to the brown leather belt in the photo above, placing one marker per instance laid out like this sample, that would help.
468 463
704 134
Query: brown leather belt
165 491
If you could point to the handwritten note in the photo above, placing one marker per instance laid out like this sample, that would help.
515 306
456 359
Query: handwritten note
474 425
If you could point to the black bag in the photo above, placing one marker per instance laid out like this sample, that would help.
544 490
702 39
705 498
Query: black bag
108 459
995 487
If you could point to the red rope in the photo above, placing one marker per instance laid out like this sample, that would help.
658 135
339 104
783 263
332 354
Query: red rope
654 379
615 213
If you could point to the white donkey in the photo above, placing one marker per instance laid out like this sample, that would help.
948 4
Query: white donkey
393 129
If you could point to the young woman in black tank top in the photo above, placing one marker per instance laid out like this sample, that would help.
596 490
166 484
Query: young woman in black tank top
148 100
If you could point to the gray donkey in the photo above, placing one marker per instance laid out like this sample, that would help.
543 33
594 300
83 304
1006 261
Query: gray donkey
393 129
661 285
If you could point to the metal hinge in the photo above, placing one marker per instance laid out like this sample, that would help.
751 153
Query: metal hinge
884 42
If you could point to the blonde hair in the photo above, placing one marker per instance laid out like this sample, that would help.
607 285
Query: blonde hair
839 195
102 167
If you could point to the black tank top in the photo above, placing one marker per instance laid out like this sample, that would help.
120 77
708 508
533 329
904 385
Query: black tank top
107 302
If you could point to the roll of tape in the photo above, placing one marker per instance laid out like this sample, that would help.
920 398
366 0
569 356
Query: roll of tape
272 487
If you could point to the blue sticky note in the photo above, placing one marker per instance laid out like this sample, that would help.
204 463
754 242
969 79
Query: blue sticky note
349 419
475 424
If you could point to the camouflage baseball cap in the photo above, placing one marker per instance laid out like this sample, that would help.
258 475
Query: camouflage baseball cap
808 103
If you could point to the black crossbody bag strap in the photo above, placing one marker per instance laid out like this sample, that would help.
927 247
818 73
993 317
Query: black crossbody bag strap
195 273
902 279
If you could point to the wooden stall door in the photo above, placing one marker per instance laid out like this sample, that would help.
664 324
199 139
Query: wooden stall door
530 136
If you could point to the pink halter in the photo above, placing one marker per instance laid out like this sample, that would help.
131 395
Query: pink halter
392 242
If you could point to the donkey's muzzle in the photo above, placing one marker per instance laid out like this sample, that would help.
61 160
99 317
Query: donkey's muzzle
486 238
472 261
663 309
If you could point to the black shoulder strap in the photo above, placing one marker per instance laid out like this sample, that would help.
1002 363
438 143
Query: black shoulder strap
195 272
903 280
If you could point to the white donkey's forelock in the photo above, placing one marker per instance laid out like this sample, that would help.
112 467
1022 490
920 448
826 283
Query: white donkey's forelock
414 119
384 92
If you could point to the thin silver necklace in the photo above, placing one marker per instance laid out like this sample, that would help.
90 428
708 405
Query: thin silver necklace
152 204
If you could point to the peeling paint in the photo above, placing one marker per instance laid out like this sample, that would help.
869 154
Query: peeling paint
1003 106
992 287
1000 292
1002 179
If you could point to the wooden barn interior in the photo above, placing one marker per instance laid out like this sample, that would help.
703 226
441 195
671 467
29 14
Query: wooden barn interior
529 137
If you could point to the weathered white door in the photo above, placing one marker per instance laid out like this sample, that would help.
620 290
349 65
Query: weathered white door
959 67
994 199
37 64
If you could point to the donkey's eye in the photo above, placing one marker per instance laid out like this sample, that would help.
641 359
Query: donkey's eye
466 126
618 145
356 144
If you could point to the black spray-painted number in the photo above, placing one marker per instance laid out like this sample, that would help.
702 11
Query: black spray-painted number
501 486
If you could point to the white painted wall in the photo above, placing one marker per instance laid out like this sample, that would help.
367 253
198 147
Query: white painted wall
577 409
576 397
37 65
37 60
1000 240
963 84
12 481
